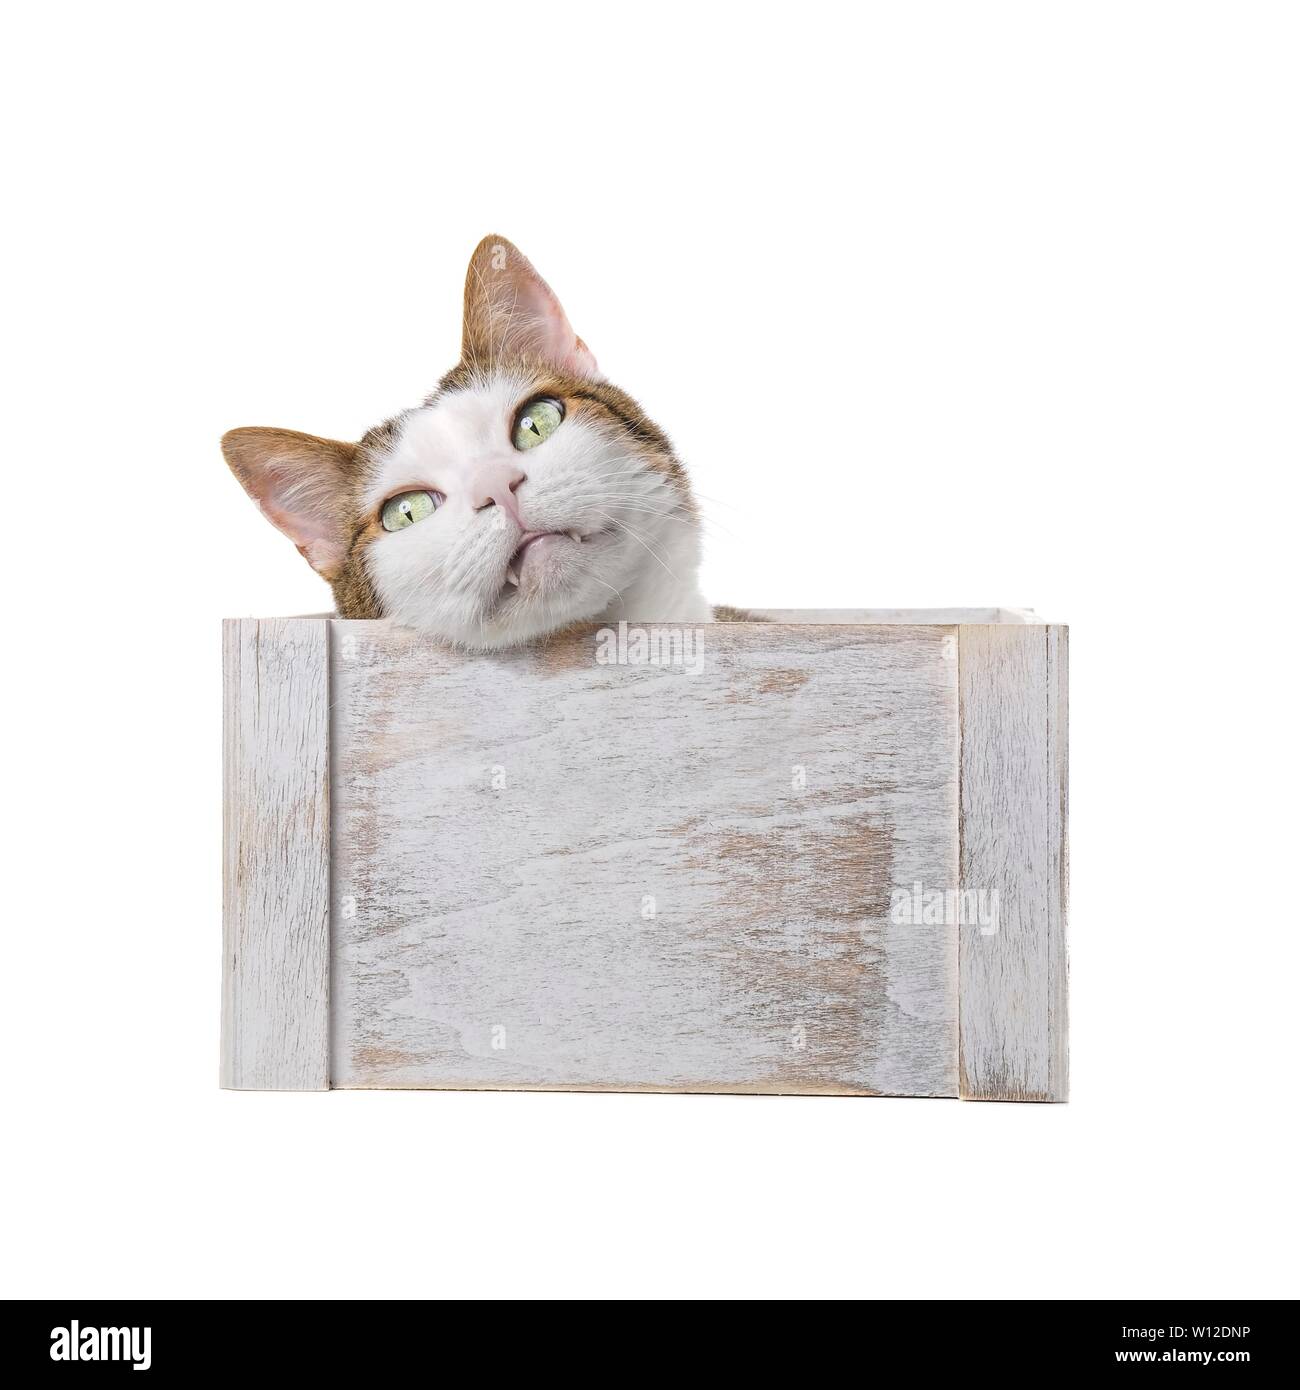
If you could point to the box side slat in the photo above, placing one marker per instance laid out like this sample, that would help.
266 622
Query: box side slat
909 616
275 956
1014 795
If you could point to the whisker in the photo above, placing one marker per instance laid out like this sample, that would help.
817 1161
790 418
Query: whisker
643 543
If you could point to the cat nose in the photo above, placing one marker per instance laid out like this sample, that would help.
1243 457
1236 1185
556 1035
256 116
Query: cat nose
496 487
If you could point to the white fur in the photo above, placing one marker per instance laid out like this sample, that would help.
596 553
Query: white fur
446 575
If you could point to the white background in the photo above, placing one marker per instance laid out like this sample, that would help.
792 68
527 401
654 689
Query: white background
943 304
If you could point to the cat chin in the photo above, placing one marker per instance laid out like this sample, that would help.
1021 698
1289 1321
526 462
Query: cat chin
511 618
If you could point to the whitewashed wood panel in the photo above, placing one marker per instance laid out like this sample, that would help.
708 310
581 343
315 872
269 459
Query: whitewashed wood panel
553 873
909 616
1014 791
275 1000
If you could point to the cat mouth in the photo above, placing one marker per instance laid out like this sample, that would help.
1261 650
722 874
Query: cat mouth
542 558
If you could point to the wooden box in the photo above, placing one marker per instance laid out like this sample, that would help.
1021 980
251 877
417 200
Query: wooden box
823 854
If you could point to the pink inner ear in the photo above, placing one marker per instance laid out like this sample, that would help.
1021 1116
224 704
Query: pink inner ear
314 536
584 363
296 484
555 339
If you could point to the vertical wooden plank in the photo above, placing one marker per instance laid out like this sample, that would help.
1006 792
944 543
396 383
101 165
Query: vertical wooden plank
275 966
1013 683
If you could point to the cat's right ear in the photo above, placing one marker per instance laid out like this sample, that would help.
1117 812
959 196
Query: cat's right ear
511 313
301 484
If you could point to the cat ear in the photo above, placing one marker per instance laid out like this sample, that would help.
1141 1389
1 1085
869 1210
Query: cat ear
511 312
301 484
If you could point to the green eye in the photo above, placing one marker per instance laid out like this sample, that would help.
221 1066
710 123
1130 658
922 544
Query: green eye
538 420
406 509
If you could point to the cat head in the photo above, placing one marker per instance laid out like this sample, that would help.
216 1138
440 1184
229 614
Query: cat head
526 494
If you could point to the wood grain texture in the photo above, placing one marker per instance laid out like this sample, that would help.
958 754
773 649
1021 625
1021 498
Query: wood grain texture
275 1002
909 616
1014 794
552 873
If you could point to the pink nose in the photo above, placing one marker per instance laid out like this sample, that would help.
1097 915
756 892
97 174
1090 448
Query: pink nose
495 485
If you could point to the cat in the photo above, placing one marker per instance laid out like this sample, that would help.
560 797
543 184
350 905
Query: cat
526 495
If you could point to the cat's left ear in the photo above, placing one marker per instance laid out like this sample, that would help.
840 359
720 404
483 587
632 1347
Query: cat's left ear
301 483
511 313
